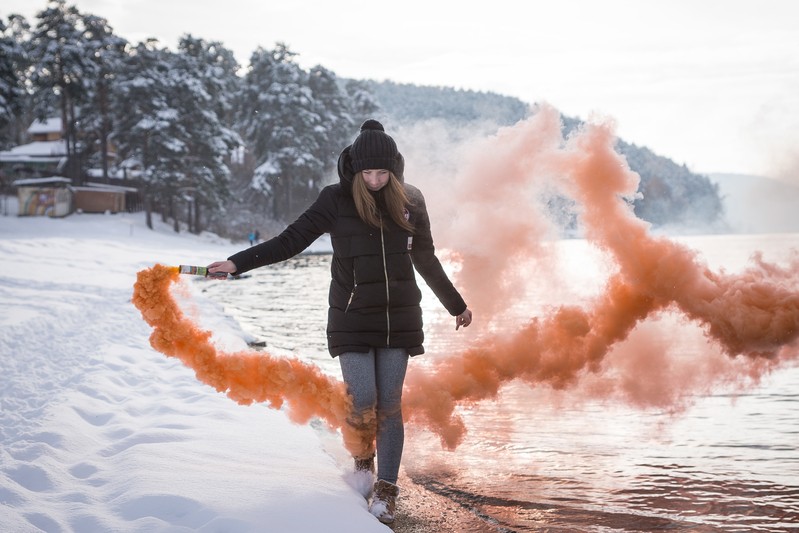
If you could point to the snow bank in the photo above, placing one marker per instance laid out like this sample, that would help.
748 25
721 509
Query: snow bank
101 433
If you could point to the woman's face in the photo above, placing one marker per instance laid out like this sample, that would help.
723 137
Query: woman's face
375 179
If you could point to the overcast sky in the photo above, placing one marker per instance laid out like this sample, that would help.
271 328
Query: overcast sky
713 84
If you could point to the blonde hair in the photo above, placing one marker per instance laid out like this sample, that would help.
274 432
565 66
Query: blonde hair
396 202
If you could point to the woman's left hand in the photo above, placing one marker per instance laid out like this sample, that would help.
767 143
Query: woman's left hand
463 319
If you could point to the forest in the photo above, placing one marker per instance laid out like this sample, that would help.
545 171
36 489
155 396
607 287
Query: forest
214 145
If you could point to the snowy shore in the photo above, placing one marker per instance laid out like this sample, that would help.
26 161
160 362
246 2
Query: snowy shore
99 432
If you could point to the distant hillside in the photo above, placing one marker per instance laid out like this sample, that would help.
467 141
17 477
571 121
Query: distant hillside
673 196
756 204
408 103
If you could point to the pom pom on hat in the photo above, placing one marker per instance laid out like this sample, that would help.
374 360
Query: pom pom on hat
372 124
374 149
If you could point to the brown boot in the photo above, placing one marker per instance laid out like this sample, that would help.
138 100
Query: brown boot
384 501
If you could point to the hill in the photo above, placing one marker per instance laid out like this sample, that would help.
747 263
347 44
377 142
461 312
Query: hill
671 195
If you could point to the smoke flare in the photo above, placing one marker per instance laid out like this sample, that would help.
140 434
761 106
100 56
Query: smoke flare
245 377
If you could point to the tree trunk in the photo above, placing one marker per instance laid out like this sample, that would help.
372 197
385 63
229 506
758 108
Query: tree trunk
173 212
189 217
104 127
197 227
148 210
73 162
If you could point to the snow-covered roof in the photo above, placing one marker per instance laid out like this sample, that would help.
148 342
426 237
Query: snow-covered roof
52 180
49 125
105 186
35 151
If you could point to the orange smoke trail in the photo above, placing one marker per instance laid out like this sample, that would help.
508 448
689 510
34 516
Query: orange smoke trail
755 314
245 377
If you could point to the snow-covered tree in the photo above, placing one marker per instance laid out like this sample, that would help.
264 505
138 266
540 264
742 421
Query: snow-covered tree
144 123
279 121
217 67
333 106
206 83
12 92
64 67
107 52
362 101
167 121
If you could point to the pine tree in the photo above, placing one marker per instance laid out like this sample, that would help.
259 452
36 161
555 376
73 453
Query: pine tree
279 121
334 107
168 120
362 101
107 52
204 90
143 123
65 68
12 93
35 104
217 68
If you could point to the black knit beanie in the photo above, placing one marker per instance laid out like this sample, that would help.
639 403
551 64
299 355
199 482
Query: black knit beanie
375 149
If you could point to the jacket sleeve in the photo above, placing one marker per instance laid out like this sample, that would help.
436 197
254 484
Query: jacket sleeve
299 235
423 255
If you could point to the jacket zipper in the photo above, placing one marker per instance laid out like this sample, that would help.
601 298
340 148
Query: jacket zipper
385 273
352 294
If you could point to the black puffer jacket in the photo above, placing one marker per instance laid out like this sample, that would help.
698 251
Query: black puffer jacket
374 299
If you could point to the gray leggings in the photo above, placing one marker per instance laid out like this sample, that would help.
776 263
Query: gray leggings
375 379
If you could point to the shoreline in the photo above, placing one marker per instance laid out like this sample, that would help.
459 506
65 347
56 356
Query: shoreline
422 511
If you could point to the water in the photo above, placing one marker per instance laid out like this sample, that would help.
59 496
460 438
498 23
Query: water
729 462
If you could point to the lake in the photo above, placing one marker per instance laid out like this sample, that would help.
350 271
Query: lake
532 460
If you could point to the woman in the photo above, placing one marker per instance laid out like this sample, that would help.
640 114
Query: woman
380 232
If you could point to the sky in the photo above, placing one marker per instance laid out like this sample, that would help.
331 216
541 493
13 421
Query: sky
708 83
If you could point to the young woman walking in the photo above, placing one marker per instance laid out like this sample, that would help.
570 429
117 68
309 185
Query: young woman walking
380 233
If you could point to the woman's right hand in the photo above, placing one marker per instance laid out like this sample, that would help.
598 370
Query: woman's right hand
228 267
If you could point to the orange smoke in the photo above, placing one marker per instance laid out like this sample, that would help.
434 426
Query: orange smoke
245 377
754 314
602 343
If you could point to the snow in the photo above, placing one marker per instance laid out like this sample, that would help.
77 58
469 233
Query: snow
36 149
52 180
98 432
49 125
